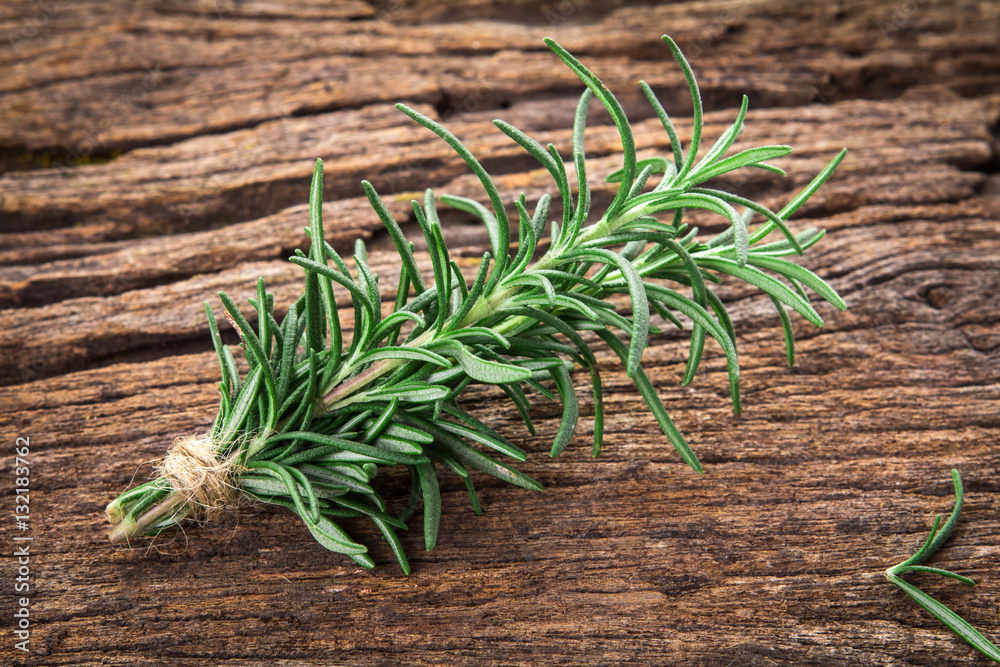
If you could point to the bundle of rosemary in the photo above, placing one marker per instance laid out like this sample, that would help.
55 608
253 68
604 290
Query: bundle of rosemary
315 415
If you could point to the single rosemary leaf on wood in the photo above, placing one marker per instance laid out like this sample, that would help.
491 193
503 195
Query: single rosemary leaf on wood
315 417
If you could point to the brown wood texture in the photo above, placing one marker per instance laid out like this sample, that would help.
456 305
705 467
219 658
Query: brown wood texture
153 153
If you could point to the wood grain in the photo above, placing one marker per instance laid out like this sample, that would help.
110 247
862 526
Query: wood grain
154 153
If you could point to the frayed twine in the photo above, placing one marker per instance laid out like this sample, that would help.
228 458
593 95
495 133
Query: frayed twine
196 473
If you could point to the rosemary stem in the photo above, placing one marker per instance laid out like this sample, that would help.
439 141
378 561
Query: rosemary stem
126 529
364 378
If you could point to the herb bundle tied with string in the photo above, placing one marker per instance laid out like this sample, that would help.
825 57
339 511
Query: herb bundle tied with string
318 411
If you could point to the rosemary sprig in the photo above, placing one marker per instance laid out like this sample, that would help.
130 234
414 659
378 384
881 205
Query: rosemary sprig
935 540
315 415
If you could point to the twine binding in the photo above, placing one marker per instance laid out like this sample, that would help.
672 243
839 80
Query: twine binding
205 482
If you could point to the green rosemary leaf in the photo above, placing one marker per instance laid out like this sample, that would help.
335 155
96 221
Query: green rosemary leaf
448 462
541 366
439 261
565 279
253 346
786 326
340 457
956 623
230 375
303 411
410 433
287 363
668 200
701 298
300 479
747 158
403 352
398 445
473 498
484 214
665 313
263 486
695 352
503 225
286 476
361 474
359 295
722 144
317 252
802 197
535 149
567 200
391 332
499 444
394 544
696 101
324 475
241 406
754 207
332 254
638 237
655 165
595 382
476 460
538 220
655 405
696 313
572 230
797 286
668 125
526 238
475 292
413 392
371 512
368 281
602 93
937 538
759 279
722 315
480 369
332 445
333 538
381 422
445 287
613 319
432 503
571 410
802 275
516 395
536 280
637 292
460 295
574 302
935 570
391 226
477 334
391 324
806 239
640 181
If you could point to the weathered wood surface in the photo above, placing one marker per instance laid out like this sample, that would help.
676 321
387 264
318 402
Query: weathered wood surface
179 138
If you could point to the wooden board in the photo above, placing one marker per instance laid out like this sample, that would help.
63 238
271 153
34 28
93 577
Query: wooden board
154 153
